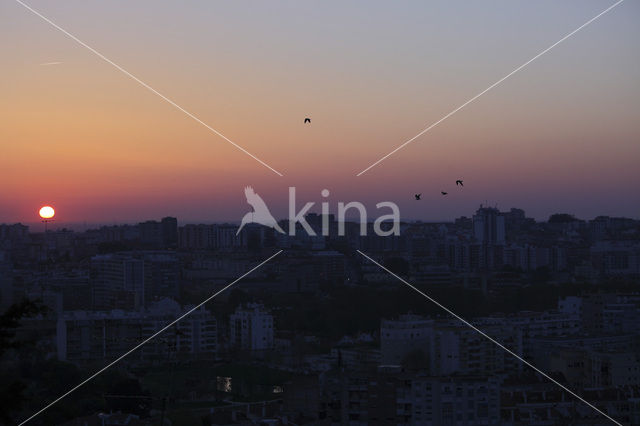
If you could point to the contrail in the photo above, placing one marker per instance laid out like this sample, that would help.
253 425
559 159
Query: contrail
143 84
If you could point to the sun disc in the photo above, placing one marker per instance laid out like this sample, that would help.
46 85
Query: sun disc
47 212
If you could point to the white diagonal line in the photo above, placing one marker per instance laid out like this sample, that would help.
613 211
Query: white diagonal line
145 85
146 341
491 87
491 339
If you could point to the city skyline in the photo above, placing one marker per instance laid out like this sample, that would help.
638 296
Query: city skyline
320 213
55 225
558 137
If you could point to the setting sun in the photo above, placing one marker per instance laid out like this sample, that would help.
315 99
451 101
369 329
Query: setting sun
47 212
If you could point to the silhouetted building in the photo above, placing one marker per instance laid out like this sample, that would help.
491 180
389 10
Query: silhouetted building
133 279
251 328
400 337
488 226
159 234
86 335
161 276
117 281
151 233
169 231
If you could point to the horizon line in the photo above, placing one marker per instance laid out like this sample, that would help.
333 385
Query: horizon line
101 224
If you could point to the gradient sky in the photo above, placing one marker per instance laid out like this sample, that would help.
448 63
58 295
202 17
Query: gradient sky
560 136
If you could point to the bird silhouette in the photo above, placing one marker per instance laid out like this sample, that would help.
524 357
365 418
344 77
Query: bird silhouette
307 120
443 193
418 196
260 213
459 182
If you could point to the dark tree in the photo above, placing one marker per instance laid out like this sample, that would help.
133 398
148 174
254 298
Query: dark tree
397 265
127 395
562 218
12 390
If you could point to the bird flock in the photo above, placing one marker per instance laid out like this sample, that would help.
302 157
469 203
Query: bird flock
458 183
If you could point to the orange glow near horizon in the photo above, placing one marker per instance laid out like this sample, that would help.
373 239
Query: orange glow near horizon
560 136
46 212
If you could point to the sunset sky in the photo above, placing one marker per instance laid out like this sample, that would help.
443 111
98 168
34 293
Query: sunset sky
562 135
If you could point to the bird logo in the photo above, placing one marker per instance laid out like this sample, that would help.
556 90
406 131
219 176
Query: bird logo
260 212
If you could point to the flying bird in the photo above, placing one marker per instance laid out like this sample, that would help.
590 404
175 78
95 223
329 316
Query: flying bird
307 120
418 196
459 182
260 213
443 193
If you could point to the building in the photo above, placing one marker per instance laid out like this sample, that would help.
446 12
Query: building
197 237
488 226
610 313
616 257
251 328
544 348
117 281
542 324
159 234
458 349
571 305
161 275
390 396
131 280
453 400
404 335
83 336
612 369
169 230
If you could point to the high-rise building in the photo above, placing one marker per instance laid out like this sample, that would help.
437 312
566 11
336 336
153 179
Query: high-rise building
151 233
251 328
117 280
489 234
133 279
159 234
161 276
169 229
488 226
